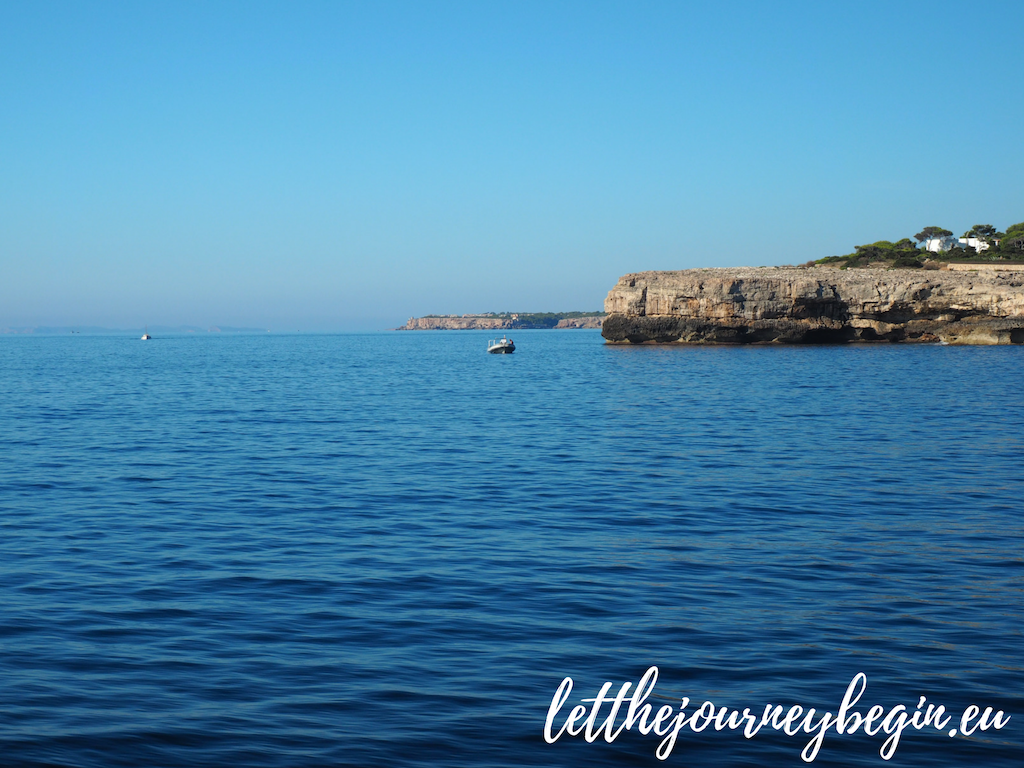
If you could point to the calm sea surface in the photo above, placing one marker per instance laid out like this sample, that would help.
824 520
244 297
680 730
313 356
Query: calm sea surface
389 549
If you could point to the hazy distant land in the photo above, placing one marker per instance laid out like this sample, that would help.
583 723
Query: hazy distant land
504 321
92 330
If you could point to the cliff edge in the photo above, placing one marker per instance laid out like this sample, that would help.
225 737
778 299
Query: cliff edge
806 306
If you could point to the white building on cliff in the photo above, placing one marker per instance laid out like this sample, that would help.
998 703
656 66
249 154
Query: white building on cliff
975 243
940 244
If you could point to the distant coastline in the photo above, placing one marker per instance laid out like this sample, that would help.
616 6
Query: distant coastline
505 321
92 330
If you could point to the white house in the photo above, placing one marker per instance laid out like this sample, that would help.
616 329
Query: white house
939 244
975 243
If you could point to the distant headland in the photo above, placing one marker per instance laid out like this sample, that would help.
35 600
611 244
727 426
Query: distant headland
504 321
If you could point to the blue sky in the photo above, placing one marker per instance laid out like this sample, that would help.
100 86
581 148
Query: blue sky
343 166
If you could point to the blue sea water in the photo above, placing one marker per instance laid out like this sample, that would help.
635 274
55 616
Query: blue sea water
389 549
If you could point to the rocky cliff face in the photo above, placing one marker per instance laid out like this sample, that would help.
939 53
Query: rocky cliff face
490 322
580 322
456 323
818 305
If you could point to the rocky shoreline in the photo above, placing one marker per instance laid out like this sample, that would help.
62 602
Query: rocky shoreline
495 322
782 305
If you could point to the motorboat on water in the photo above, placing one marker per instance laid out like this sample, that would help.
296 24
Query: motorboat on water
501 346
146 336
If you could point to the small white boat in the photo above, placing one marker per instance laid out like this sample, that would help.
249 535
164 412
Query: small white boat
146 336
501 346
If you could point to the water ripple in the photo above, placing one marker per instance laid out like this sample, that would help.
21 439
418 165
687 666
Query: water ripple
388 549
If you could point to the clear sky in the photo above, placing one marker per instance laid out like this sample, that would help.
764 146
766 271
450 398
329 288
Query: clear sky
343 166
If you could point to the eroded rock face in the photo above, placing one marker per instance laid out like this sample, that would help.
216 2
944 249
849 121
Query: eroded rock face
457 323
800 306
489 322
580 322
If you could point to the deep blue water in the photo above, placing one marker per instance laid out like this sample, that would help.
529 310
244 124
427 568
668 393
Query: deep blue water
389 549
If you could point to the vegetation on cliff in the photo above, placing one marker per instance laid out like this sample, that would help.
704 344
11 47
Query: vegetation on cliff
906 253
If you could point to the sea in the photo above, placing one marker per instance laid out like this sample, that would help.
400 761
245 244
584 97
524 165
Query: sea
393 549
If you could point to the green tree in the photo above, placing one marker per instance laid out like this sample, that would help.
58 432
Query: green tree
929 232
1013 240
1015 245
984 232
875 252
907 262
1015 230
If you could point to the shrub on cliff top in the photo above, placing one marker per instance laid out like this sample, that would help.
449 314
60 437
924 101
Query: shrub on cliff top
906 254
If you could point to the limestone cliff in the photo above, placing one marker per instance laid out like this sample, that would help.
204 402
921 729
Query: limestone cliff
457 323
818 305
580 322
500 322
